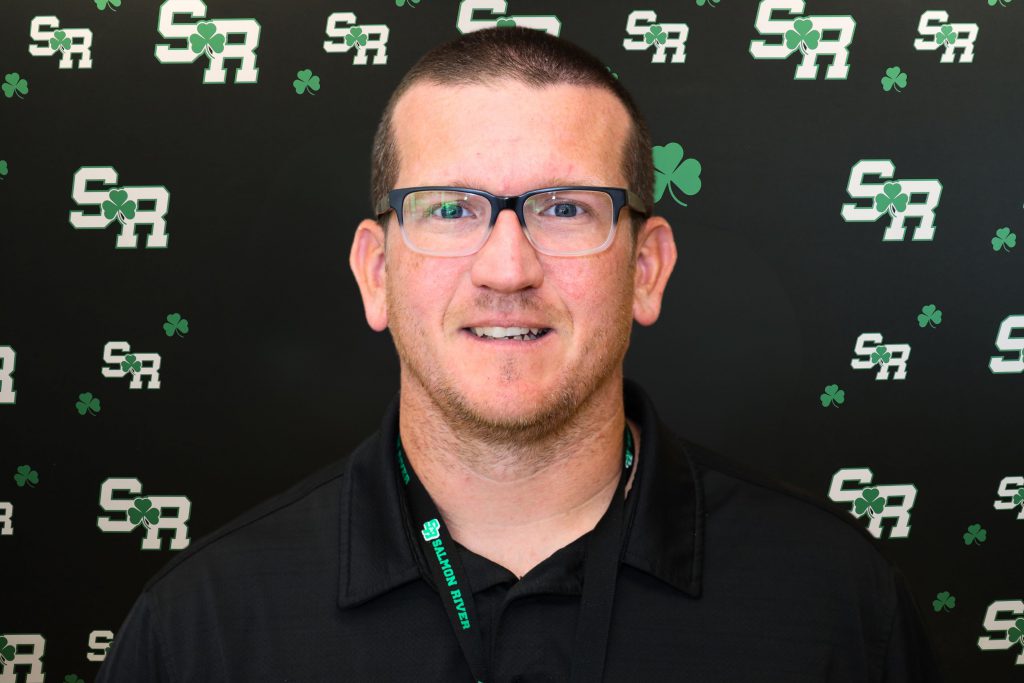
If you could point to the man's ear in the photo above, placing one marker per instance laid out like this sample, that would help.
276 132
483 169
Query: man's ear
655 258
367 260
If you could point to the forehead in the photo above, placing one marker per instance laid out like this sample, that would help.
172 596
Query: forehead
508 137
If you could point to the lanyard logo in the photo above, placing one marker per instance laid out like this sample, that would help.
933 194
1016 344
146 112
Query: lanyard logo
430 530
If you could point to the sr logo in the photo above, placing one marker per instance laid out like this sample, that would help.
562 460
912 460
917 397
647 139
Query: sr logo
813 36
1009 627
362 37
898 200
875 501
120 361
69 42
940 34
129 205
213 38
1009 344
469 18
150 512
642 23
869 352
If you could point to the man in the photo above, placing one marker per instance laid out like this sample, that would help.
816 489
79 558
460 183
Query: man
522 514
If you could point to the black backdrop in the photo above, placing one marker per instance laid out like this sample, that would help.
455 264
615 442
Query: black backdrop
278 374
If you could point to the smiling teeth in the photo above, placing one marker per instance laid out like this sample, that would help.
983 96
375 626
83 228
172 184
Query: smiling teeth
506 332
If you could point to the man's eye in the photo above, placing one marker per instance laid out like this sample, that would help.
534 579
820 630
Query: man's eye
448 210
565 210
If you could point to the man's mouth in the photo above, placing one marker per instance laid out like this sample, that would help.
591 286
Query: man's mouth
508 333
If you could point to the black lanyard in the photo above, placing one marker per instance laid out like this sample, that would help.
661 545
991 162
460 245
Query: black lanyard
600 570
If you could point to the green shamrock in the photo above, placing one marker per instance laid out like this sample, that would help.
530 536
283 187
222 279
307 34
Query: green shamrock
73 678
894 78
412 3
709 3
975 534
118 206
655 34
929 315
355 35
869 502
306 80
833 395
143 512
26 475
87 403
1018 497
1003 3
946 34
880 355
944 601
60 41
505 22
14 84
891 198
175 323
668 171
130 364
1004 239
611 72
1013 634
207 38
801 36
3 167
102 4
6 650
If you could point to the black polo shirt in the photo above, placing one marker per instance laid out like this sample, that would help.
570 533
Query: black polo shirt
725 576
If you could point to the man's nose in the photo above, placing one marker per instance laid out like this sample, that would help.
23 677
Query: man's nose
507 261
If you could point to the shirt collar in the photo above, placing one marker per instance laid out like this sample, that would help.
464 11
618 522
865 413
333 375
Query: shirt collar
664 536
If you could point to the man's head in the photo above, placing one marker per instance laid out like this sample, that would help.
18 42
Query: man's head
510 110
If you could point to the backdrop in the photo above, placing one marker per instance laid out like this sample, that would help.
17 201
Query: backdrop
181 337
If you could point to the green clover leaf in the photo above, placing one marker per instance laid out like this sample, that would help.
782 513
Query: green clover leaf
709 3
305 80
143 512
129 364
505 22
1018 497
929 315
87 403
26 475
891 198
943 601
412 3
669 171
118 205
1013 634
656 34
615 75
975 534
945 34
880 355
1004 239
73 678
6 650
14 84
1001 3
207 38
102 4
355 35
801 36
869 502
833 395
894 78
60 41
175 324
3 167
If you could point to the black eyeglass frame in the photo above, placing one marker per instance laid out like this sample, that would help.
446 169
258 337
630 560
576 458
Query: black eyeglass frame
620 196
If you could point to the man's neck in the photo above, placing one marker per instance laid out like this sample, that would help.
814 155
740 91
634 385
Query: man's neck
517 503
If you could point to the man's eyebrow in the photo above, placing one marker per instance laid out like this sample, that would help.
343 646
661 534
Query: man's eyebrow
551 182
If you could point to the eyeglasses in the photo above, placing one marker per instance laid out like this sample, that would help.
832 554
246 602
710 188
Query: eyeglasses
558 221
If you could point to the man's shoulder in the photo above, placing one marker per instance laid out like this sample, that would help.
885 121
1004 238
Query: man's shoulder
295 524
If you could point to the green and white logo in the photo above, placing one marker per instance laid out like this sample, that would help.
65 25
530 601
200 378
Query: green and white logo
939 33
150 513
6 518
99 643
806 34
120 361
363 38
7 360
430 530
69 42
643 26
209 39
869 352
1010 628
1009 344
895 199
121 204
22 653
469 18
876 502
1011 495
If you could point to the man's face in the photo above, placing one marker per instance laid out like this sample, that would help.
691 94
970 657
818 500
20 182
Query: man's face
508 138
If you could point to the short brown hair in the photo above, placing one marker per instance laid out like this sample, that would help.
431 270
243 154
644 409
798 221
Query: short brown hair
529 56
